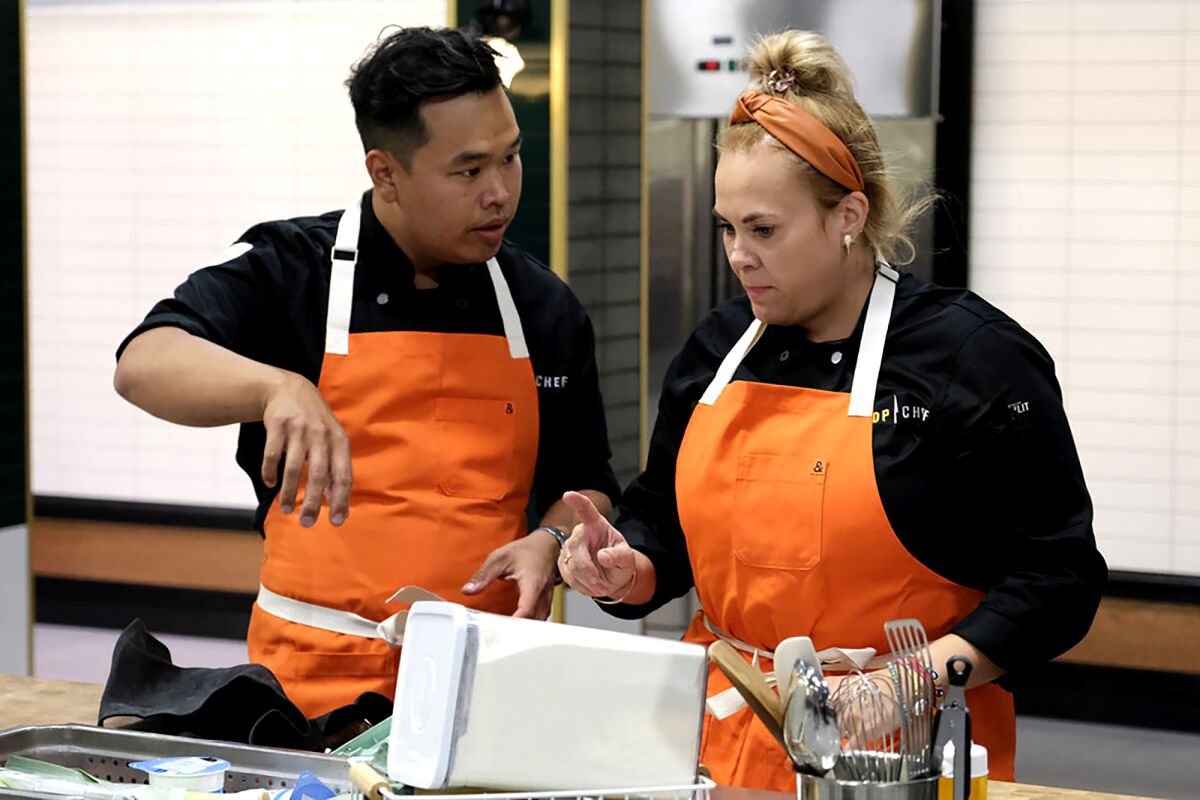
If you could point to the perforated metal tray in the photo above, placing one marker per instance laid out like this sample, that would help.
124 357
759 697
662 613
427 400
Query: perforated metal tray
106 753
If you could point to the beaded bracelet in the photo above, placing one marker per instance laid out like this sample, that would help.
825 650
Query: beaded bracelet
938 690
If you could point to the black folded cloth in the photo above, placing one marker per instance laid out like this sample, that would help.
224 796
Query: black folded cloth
232 704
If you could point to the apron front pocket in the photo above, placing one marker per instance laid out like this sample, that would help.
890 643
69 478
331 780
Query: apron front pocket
778 502
476 442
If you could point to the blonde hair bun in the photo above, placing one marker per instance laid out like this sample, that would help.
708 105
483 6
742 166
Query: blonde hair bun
803 63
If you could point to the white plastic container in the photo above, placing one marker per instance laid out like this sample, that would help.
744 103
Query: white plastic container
190 773
494 702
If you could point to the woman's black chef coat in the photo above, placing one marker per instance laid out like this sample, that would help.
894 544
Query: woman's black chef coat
269 304
974 461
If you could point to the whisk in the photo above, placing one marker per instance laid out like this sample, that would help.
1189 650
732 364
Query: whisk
868 718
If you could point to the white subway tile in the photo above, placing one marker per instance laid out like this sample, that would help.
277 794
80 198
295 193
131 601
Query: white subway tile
1127 257
1133 554
1040 284
1116 375
1186 550
1139 137
1142 227
1008 107
1128 168
1146 288
1120 108
1122 346
1133 526
1021 167
1039 225
1166 45
1000 254
1126 465
1187 432
1023 137
1110 316
988 197
1006 48
1016 17
1128 17
1144 197
1099 432
1187 498
1127 407
1130 495
1040 78
1159 78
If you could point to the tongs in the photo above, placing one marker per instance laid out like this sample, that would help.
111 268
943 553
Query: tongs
953 724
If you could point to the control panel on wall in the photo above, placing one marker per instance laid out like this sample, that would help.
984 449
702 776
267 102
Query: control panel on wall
695 50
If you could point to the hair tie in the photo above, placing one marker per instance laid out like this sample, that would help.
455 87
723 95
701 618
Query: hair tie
782 80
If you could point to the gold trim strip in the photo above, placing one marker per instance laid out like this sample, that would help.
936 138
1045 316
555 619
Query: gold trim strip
451 13
559 186
559 136
560 40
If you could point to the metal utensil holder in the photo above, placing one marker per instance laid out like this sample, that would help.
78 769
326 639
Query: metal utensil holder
810 787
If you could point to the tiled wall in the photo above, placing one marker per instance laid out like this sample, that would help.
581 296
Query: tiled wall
605 184
1085 227
158 132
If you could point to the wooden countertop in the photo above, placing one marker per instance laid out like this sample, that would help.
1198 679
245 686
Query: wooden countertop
39 701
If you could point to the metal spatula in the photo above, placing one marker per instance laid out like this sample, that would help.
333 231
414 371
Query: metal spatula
912 673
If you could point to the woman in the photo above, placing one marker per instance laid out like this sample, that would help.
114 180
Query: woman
847 445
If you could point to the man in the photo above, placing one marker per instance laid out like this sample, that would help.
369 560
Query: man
399 364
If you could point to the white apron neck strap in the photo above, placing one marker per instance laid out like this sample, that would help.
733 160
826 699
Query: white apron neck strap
732 361
870 349
341 290
341 280
508 312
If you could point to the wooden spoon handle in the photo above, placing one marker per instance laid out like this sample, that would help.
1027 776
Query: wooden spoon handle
751 685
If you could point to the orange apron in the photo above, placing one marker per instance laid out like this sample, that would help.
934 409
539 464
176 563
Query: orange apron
444 434
787 536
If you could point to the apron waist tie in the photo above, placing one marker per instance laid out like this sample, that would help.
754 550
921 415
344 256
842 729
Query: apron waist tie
726 703
334 620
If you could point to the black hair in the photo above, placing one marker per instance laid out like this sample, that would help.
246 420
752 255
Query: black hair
407 68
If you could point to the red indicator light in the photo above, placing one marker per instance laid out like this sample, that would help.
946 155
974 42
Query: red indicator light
709 66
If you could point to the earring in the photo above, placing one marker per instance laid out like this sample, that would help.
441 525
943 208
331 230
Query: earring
847 241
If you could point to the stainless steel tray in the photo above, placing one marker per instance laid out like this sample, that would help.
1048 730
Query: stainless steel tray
106 753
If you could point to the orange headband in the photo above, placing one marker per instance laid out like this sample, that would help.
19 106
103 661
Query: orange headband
803 134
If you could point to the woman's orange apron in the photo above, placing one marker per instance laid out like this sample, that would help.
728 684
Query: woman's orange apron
444 435
787 536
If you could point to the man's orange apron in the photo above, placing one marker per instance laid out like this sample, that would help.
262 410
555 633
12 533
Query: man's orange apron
787 536
444 434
